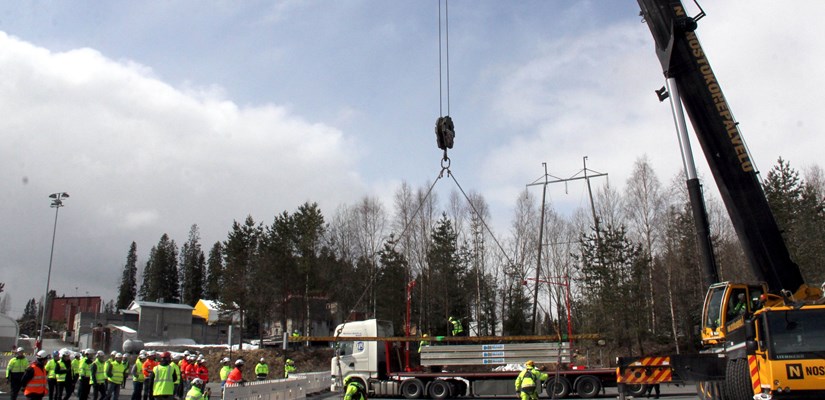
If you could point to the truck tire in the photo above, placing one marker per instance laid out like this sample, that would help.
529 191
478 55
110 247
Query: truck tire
412 389
560 386
738 380
588 386
440 390
635 390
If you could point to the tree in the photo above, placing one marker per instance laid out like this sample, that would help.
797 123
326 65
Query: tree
447 277
643 208
128 282
160 276
240 258
214 272
611 275
390 284
192 268
28 321
309 229
799 210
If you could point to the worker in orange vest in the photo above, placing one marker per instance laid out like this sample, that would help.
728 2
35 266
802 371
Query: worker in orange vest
148 366
202 370
35 386
236 376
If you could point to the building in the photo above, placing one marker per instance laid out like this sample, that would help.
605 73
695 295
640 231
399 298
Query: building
63 309
162 321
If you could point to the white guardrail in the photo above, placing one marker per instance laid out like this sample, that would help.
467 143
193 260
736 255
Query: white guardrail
297 386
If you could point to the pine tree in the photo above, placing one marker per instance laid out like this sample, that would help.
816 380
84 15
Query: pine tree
192 268
390 283
128 282
160 277
214 272
309 229
447 274
240 257
28 321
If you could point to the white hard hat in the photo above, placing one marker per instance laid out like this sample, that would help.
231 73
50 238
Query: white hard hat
225 360
239 362
19 350
142 352
42 354
64 352
197 382
100 353
118 355
262 359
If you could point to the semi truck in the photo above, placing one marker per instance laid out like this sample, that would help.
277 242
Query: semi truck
368 352
763 339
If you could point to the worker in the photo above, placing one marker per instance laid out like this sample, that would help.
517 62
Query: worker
182 381
289 366
34 378
423 342
225 370
528 382
197 390
202 370
741 305
137 376
51 378
76 361
114 377
164 377
457 329
98 376
649 390
261 369
85 376
353 389
296 334
15 370
63 375
236 375
148 366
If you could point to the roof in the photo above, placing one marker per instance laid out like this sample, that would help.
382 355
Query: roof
150 304
125 329
210 304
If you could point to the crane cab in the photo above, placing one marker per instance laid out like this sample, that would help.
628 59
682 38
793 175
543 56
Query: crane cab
727 304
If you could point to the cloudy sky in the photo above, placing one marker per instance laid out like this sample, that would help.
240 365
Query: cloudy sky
157 115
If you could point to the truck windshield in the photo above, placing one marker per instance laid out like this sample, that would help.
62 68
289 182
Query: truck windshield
796 334
714 307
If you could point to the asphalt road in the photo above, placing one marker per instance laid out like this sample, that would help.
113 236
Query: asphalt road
669 392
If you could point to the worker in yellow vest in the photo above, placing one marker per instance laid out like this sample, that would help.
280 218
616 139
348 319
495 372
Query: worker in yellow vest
225 370
51 378
63 375
98 376
262 370
115 375
15 370
164 376
85 376
289 367
196 392
137 376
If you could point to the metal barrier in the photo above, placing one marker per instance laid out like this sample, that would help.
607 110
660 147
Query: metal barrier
296 386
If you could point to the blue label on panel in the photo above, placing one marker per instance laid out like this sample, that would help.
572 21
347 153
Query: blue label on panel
493 361
492 354
359 346
492 347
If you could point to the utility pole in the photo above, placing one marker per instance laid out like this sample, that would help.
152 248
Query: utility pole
544 181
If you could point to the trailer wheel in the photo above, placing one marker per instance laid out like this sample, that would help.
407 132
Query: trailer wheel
636 390
737 379
588 387
412 389
560 386
439 390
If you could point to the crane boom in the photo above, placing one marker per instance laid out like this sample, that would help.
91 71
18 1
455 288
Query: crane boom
684 60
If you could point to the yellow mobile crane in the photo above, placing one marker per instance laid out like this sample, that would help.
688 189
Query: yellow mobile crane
762 340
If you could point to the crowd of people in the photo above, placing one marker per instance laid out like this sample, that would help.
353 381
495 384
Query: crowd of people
91 375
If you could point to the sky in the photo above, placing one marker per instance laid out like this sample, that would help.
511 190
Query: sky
157 115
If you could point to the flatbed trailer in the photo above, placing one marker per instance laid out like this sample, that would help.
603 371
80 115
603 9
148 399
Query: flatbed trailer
378 365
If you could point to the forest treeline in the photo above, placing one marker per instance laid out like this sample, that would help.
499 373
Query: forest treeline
636 281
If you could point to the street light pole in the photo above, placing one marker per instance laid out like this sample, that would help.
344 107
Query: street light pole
57 202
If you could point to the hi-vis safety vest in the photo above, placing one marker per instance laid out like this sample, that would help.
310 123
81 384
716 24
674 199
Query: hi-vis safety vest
138 375
37 385
225 370
61 377
116 370
164 384
100 372
49 368
527 380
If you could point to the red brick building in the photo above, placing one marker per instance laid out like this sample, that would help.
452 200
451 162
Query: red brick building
63 309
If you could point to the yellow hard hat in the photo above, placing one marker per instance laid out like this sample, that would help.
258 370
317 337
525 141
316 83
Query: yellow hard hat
529 363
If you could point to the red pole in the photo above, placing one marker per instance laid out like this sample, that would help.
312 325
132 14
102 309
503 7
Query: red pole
410 287
569 324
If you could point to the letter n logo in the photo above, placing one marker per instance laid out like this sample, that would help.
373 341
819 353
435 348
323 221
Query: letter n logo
794 371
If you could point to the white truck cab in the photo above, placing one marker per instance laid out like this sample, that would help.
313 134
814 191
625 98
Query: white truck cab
360 358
